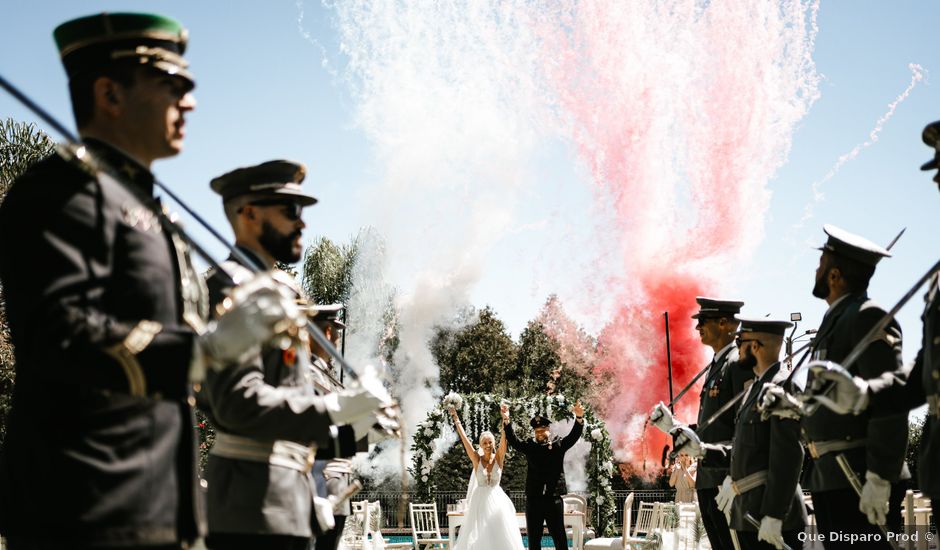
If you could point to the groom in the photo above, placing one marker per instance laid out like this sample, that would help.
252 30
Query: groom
545 477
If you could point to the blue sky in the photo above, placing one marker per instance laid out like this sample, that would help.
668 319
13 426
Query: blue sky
271 86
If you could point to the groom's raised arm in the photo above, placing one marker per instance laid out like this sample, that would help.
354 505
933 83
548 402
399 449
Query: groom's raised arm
510 434
575 434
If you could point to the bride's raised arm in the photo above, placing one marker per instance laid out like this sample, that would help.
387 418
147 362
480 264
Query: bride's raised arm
501 451
463 437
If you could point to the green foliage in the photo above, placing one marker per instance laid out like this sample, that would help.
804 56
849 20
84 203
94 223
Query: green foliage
206 432
480 357
915 432
327 270
21 145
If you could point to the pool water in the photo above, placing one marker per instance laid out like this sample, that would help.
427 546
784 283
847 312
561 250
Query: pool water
546 540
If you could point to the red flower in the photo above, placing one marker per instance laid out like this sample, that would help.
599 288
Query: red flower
202 425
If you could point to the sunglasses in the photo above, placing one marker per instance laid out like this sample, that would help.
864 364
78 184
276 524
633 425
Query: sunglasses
740 341
292 210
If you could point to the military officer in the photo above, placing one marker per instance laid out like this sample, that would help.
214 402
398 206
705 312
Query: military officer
335 480
269 421
724 380
328 318
329 471
766 454
874 441
545 475
853 394
106 312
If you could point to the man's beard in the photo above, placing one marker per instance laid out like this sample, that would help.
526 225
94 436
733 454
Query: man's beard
747 361
821 288
279 246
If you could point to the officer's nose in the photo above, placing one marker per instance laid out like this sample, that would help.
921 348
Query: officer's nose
187 102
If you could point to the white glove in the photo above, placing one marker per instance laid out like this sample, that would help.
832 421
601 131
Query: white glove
687 441
255 312
849 394
360 402
874 500
662 418
725 497
771 531
777 402
323 510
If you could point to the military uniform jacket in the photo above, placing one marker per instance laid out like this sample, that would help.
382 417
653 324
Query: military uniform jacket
883 425
265 399
545 472
912 389
725 379
772 445
100 445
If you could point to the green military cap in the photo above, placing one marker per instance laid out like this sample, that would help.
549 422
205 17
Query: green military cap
848 245
714 308
762 325
103 39
275 179
325 313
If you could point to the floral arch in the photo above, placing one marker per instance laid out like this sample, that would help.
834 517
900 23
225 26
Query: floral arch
480 411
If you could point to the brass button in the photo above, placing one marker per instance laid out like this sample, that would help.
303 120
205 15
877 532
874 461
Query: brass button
191 401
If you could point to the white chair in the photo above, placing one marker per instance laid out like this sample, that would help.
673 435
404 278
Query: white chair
644 519
355 531
375 530
424 527
577 503
624 542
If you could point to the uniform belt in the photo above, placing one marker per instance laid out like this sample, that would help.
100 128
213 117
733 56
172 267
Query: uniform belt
819 448
933 405
748 482
282 453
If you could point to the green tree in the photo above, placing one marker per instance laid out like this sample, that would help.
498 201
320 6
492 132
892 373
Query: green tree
538 366
479 357
327 270
21 145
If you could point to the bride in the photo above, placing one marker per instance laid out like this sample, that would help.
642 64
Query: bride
490 518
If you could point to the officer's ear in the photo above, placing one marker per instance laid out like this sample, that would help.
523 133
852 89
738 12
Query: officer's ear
248 211
108 96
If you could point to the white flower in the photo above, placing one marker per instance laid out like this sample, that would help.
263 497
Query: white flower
597 434
560 398
425 479
600 500
453 400
608 467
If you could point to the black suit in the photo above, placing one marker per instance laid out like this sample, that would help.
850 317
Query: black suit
725 380
772 445
913 388
883 425
100 447
545 483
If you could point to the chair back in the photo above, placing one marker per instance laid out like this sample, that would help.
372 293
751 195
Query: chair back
575 503
627 519
666 520
644 518
424 521
356 531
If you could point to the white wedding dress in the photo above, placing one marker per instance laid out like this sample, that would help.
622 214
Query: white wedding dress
490 518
